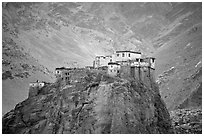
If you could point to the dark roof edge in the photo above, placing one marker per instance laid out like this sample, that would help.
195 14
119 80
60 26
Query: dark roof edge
38 82
63 68
129 51
114 63
150 57
104 56
59 68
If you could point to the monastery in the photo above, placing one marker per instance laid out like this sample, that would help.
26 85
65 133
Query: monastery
121 64
126 64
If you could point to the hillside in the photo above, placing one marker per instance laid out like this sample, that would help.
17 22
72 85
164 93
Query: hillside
50 31
38 37
18 69
95 104
179 59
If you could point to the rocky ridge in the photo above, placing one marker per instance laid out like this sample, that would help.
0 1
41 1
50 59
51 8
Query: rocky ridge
187 121
96 103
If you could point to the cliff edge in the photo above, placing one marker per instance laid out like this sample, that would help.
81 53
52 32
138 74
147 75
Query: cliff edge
96 103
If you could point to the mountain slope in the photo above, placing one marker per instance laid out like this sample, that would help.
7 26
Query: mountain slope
179 66
18 69
95 104
72 34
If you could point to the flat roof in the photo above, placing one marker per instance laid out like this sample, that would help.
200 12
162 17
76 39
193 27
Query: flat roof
150 57
129 51
108 56
37 82
99 56
122 61
113 63
103 56
34 82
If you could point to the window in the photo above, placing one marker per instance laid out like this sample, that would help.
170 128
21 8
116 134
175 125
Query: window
153 60
137 60
110 70
123 55
111 66
129 54
58 71
110 60
41 84
118 55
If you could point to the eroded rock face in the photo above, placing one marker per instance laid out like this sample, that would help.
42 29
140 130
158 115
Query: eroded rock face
95 104
187 121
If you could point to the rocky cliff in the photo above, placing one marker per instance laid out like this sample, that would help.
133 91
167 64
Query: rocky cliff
95 103
187 121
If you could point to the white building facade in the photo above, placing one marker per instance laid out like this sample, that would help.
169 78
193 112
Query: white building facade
126 55
37 84
113 68
101 61
118 56
144 62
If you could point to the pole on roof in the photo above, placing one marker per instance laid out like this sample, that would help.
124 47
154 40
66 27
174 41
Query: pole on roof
149 66
139 70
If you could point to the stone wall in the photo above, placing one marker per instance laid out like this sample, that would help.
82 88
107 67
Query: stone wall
138 73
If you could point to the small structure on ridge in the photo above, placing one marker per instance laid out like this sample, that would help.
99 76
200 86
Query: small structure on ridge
35 88
63 75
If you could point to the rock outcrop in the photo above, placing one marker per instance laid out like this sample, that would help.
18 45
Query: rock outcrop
96 103
187 121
